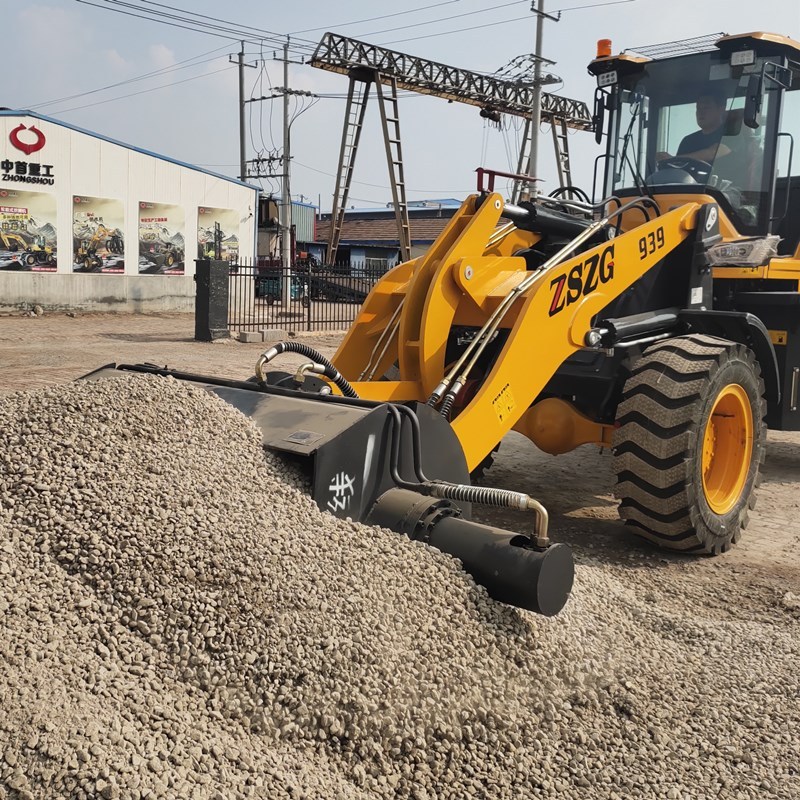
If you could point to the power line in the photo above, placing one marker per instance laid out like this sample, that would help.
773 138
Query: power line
220 31
375 185
458 30
502 22
144 91
595 5
163 22
145 76
191 17
447 19
374 19
278 36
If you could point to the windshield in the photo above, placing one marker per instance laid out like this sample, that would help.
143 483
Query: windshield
679 128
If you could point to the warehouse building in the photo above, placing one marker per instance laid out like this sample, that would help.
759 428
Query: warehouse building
92 224
305 245
369 241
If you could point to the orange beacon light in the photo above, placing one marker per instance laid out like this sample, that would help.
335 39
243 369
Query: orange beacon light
603 48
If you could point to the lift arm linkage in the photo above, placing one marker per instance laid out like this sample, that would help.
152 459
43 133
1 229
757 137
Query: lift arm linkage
461 281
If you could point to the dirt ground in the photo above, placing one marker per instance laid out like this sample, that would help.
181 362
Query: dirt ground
576 488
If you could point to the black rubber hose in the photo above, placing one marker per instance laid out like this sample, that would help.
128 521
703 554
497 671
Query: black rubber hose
482 495
447 405
309 352
394 458
416 438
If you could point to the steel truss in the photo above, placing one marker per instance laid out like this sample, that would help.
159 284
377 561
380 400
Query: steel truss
368 64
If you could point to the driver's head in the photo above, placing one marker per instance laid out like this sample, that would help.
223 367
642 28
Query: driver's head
710 110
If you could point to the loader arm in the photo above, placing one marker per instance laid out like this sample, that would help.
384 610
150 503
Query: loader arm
555 315
462 281
429 298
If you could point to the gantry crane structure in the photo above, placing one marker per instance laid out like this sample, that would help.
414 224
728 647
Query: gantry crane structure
369 65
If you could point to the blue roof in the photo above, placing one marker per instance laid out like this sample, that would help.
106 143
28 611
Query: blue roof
23 113
432 205
435 203
385 244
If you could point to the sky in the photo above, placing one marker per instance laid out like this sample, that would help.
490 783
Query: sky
83 60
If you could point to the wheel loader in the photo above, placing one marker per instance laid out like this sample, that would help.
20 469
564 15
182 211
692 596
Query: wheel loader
659 320
103 238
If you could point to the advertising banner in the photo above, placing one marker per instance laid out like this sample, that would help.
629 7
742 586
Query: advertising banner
228 232
98 243
162 248
27 231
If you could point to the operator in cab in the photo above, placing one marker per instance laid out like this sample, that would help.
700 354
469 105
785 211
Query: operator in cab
705 144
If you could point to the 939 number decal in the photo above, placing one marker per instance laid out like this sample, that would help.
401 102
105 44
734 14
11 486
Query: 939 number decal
651 242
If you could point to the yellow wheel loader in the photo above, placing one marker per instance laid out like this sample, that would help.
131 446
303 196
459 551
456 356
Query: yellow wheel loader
660 321
103 238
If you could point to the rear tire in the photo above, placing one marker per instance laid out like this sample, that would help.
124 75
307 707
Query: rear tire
690 443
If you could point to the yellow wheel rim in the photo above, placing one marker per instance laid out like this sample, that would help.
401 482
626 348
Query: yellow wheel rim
727 448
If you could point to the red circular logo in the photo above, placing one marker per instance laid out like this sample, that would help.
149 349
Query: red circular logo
27 147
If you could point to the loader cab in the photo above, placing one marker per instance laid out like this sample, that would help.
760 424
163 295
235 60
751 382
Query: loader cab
706 123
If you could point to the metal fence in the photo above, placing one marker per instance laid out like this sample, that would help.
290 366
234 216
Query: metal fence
307 298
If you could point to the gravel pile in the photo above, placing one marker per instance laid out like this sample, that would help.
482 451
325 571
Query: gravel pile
179 620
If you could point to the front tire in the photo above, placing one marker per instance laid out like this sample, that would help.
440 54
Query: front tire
690 443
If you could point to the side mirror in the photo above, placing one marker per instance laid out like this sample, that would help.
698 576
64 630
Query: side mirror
598 116
752 101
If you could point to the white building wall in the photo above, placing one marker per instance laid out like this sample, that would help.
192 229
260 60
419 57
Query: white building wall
87 165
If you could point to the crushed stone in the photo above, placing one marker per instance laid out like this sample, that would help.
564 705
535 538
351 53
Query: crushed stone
179 620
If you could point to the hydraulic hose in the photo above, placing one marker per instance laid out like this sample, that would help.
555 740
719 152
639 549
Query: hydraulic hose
477 345
330 371
447 405
457 376
482 495
387 334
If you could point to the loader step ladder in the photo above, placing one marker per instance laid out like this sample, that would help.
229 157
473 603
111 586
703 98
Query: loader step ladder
390 122
559 127
357 96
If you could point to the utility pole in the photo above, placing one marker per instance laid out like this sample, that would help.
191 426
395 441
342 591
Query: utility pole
242 152
263 167
286 199
536 104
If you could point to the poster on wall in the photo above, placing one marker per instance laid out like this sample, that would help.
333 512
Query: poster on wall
162 249
228 221
27 231
98 243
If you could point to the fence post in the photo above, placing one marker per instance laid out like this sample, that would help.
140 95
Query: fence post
211 300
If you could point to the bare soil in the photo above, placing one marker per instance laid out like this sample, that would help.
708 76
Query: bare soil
576 488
